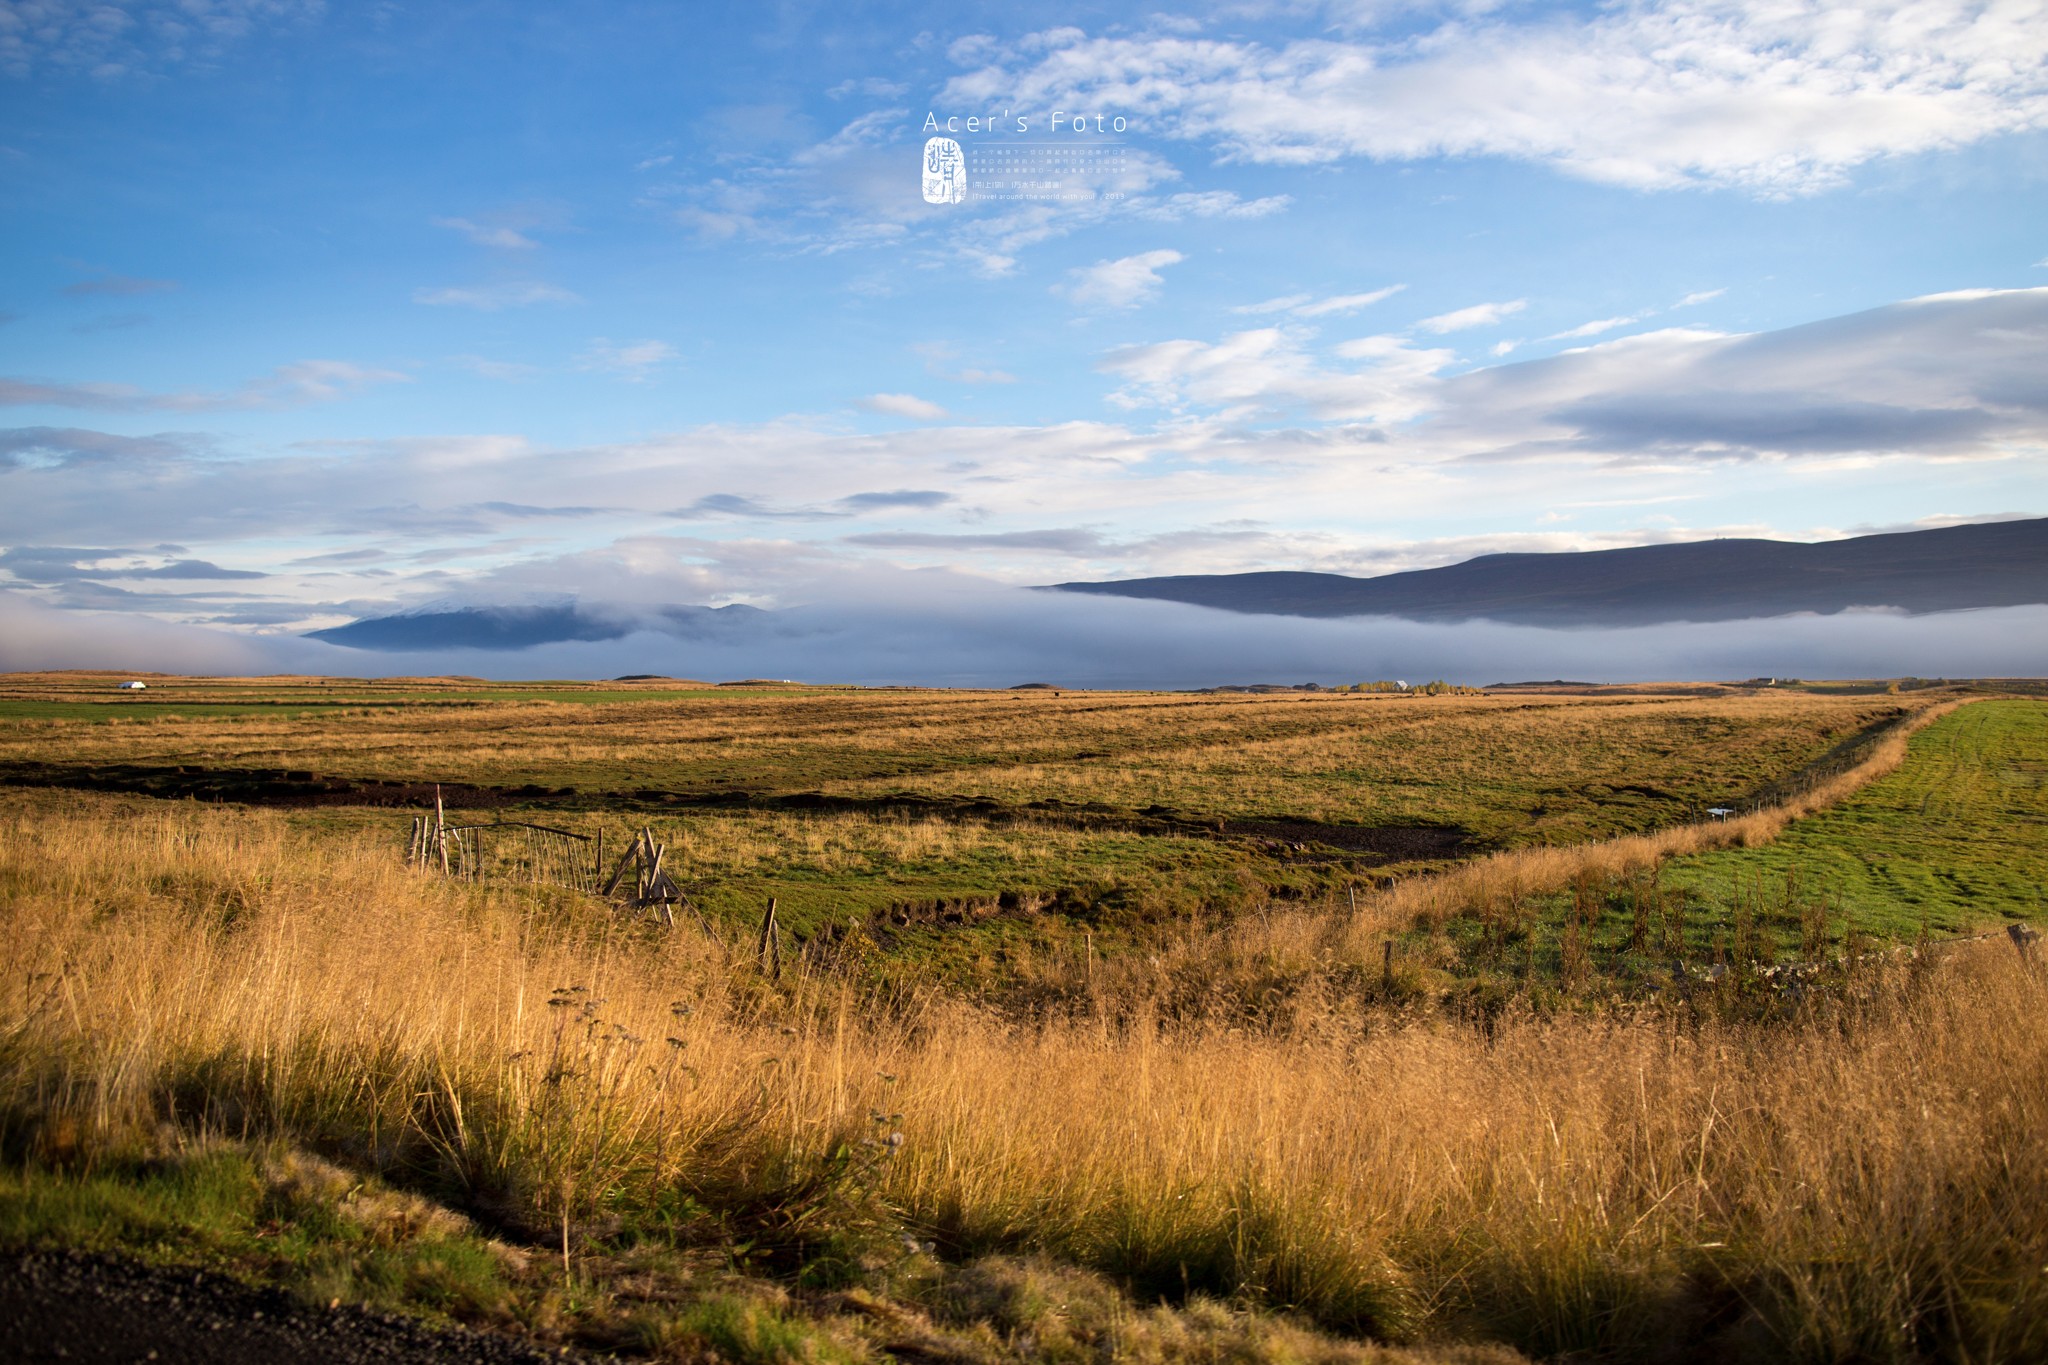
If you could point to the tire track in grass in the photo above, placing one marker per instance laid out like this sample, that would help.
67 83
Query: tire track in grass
1955 840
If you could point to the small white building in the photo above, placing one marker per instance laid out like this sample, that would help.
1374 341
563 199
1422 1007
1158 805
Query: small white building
134 687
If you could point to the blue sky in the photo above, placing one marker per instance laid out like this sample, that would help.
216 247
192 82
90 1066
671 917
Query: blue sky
315 312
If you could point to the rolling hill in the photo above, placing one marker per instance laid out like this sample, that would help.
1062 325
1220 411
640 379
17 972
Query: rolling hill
1991 564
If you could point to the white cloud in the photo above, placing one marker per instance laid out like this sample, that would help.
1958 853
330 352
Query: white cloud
1123 283
1309 306
506 370
486 234
631 360
490 298
940 361
1958 295
846 193
870 129
1267 371
1771 98
1941 377
314 381
1945 376
1280 305
1702 296
714 225
1595 327
1478 315
1206 204
288 386
901 405
1345 303
873 87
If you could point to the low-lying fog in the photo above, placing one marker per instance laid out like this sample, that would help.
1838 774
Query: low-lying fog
948 632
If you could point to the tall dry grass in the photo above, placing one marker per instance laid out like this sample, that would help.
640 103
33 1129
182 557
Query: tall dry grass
1295 962
1868 1182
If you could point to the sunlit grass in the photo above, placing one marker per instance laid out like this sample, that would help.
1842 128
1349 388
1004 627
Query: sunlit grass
1866 1180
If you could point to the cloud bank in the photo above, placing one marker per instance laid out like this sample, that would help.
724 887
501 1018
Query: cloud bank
943 631
1253 450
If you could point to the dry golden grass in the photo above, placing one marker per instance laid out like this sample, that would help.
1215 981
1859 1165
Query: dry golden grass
1044 800
1522 768
1869 1181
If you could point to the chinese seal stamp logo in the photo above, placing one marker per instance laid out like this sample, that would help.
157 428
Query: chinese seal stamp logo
945 172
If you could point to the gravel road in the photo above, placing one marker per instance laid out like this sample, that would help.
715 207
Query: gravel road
75 1307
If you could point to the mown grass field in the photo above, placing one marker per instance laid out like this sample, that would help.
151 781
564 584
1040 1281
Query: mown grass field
1182 1122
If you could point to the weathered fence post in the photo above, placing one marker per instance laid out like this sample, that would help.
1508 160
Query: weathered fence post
660 851
440 829
768 952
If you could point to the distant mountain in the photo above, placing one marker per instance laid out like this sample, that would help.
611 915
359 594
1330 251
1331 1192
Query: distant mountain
520 627
1993 564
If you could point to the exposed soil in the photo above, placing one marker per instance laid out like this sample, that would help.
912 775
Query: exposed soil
286 787
297 789
72 1306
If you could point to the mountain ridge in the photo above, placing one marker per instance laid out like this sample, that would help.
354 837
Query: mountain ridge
1951 568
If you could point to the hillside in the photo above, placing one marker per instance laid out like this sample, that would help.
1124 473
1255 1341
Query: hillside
1995 564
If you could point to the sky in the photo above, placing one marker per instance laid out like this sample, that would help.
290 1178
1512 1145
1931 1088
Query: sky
314 312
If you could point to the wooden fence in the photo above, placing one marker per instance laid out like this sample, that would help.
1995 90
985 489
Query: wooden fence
524 851
519 850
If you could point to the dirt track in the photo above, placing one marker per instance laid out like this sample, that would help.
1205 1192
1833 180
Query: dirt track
69 1306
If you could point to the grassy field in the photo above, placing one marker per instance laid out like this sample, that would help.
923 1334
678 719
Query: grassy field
222 1024
1953 842
1534 768
1495 1108
1956 841
1122 809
